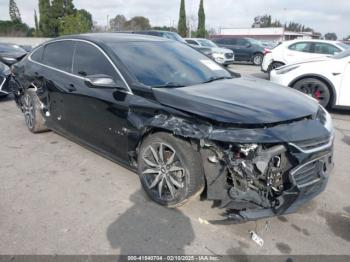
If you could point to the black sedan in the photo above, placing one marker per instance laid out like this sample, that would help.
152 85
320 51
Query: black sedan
11 53
185 124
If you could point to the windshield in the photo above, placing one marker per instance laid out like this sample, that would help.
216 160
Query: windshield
174 36
4 48
343 54
167 63
207 43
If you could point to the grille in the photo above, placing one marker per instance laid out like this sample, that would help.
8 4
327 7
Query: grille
229 55
311 144
307 174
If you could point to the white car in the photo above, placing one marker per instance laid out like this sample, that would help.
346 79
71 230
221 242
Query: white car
326 79
290 52
221 55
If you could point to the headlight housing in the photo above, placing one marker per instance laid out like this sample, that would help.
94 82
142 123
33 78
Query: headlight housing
325 118
285 70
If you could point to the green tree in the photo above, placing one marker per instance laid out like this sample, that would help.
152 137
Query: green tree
69 8
201 32
182 27
14 12
138 23
44 13
118 23
75 24
331 36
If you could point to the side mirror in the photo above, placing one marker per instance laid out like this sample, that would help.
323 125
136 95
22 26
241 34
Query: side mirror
101 81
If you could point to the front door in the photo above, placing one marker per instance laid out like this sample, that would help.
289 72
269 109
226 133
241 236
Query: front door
97 115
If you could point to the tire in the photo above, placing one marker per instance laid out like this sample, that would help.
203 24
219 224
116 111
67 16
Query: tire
315 88
274 65
34 119
181 170
257 59
3 96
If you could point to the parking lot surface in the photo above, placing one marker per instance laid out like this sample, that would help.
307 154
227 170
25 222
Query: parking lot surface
57 197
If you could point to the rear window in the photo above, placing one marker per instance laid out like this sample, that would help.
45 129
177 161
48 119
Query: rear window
324 48
37 55
59 55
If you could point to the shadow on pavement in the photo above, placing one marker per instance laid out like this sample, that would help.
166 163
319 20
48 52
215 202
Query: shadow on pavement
148 228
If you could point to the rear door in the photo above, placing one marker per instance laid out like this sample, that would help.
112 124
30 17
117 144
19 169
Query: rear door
243 49
55 74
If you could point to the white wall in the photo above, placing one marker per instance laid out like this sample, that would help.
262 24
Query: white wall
32 41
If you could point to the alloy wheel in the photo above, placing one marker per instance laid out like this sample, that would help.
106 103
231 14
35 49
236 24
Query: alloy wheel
29 111
163 173
315 90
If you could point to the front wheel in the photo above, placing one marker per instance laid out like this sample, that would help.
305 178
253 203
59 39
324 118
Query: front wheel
170 170
314 88
258 59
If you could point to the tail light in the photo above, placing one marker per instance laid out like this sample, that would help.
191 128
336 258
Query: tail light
266 51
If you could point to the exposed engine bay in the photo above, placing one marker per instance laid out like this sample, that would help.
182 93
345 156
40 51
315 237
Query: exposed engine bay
254 177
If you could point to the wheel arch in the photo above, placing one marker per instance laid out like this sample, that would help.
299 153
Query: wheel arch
321 78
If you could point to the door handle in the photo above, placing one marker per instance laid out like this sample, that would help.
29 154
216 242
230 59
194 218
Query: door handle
71 88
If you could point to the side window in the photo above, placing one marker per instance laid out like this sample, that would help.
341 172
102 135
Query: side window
37 55
59 55
242 42
191 42
88 60
231 41
323 48
301 47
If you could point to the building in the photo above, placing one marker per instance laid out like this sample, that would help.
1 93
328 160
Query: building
268 34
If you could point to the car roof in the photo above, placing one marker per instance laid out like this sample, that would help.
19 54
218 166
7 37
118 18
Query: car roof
113 37
312 40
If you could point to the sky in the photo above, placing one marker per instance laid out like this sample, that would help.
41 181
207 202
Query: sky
322 15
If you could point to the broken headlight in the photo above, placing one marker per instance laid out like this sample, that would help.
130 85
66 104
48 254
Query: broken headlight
325 118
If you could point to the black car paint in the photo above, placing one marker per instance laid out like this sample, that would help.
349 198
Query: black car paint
242 52
8 51
113 122
5 77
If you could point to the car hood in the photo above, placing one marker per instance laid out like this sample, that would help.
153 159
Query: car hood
244 100
16 55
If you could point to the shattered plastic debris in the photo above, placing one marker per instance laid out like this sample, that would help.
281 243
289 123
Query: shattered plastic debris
254 236
203 221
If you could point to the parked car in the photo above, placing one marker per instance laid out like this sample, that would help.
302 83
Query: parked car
290 52
326 79
174 36
5 75
11 53
181 121
244 48
222 56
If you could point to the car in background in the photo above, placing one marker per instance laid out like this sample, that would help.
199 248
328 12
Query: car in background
11 53
5 76
27 48
221 55
173 36
244 48
290 52
326 79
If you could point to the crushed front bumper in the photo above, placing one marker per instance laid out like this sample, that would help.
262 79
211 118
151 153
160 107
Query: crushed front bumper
308 180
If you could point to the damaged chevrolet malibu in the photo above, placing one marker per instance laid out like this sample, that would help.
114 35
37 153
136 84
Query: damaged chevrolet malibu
186 125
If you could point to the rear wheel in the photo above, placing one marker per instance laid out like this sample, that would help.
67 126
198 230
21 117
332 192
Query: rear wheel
34 119
258 59
314 88
170 170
